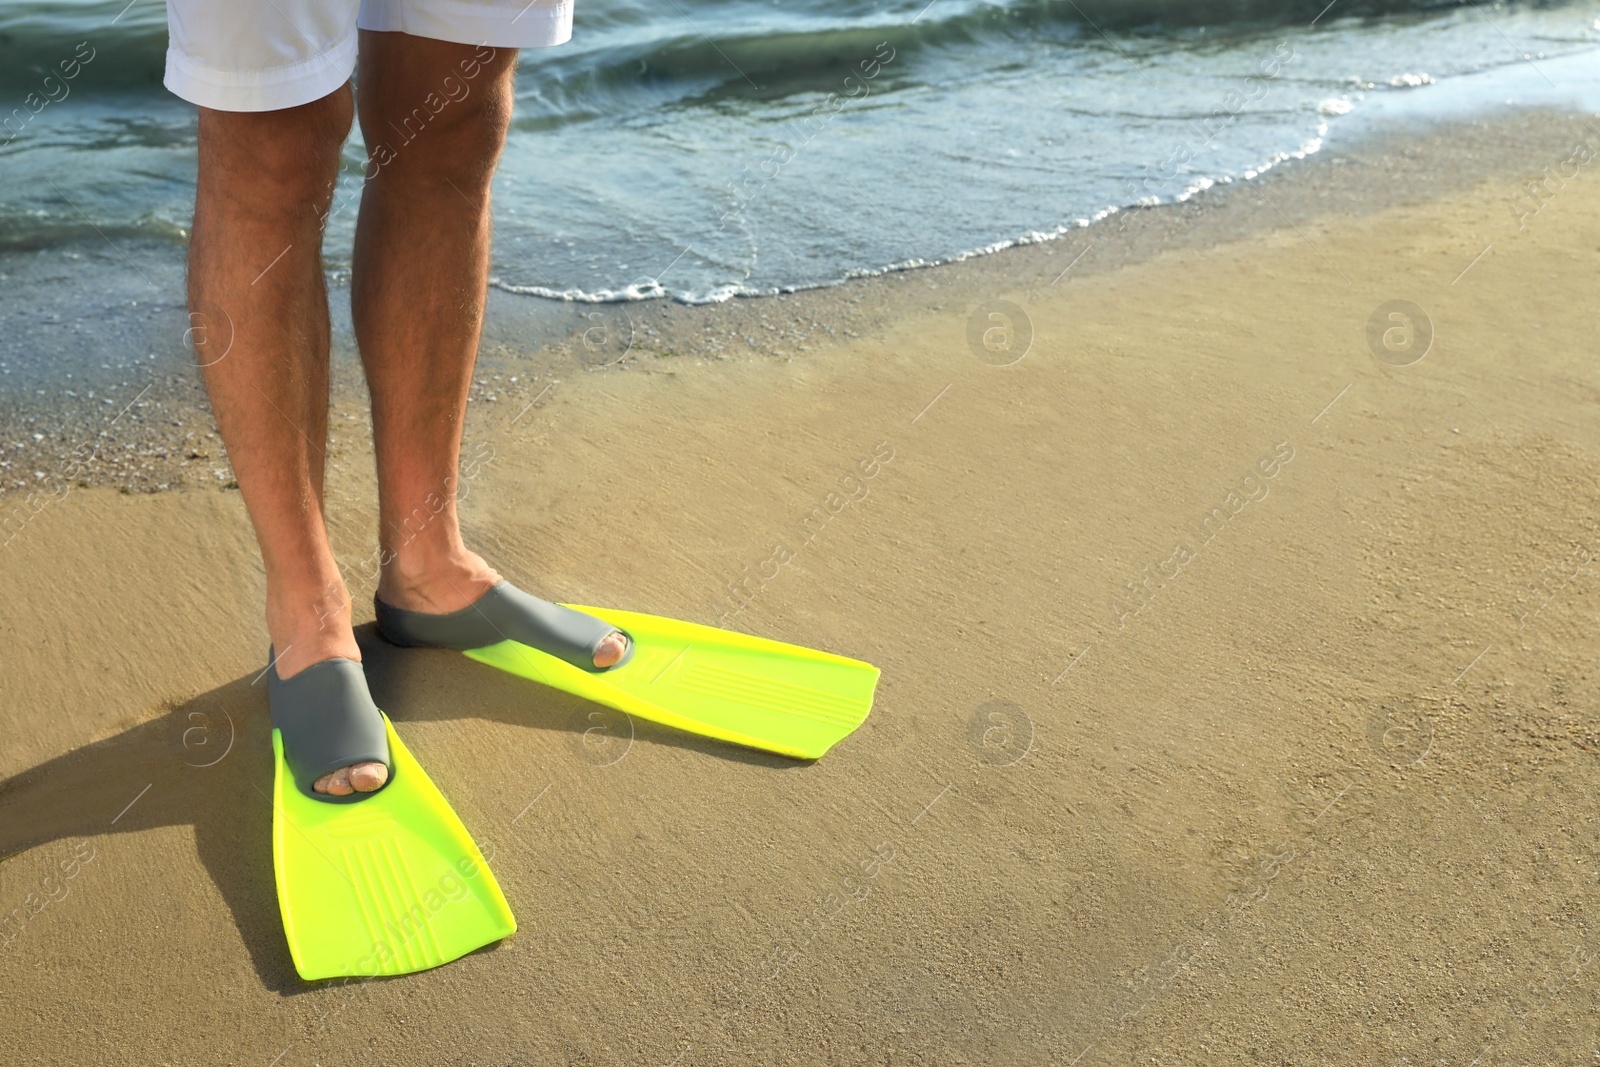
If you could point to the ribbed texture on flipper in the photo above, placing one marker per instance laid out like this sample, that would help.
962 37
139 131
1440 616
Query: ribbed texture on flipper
391 907
770 695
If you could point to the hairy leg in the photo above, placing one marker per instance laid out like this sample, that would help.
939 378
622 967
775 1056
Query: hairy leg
259 317
434 117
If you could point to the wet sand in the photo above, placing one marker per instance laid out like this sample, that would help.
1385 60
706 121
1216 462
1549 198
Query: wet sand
1237 698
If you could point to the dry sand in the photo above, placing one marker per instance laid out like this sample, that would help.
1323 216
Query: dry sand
1175 760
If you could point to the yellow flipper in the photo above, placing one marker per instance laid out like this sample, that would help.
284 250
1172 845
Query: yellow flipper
748 690
389 884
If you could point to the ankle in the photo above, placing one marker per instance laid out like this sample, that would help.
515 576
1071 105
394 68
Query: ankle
436 581
310 625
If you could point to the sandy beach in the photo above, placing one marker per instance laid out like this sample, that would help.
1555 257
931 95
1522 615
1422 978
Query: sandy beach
1237 700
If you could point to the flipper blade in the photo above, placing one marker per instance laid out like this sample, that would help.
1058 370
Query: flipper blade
747 690
388 885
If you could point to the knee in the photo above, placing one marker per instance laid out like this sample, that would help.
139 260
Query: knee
289 156
453 133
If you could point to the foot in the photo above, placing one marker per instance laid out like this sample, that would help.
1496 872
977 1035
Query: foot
306 631
359 778
449 583
325 716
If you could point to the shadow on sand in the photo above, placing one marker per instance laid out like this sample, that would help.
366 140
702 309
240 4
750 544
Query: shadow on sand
207 764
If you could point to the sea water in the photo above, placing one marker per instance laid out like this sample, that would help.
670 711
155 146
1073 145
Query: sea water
707 149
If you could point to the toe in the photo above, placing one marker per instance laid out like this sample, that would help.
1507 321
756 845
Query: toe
336 784
365 777
611 649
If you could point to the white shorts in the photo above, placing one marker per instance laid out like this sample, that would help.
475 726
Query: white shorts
263 55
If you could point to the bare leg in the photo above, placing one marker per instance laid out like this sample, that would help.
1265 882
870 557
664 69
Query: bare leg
434 117
260 312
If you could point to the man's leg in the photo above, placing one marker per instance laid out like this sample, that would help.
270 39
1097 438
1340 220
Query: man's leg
434 117
260 312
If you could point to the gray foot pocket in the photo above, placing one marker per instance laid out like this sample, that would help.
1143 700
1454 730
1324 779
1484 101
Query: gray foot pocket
504 613
327 719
